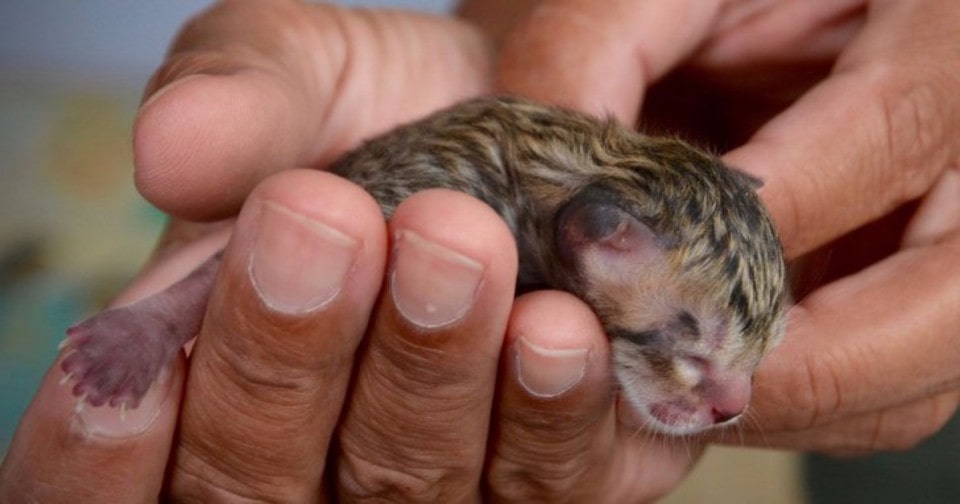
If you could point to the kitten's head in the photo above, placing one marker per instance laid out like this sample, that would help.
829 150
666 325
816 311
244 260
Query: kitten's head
683 266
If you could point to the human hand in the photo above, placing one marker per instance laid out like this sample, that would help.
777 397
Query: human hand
368 395
847 109
258 417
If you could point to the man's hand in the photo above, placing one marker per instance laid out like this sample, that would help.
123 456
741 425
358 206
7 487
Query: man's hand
341 356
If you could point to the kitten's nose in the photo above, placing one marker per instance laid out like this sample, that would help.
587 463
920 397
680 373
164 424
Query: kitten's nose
728 396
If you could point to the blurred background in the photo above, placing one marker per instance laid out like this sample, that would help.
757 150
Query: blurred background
73 231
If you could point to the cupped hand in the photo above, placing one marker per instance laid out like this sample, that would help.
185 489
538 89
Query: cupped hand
312 381
341 357
847 110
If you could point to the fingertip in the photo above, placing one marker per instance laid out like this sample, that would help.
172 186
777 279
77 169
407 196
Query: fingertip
60 454
323 195
314 236
546 372
433 349
308 249
203 141
557 347
457 220
298 281
157 407
305 241
467 246
556 409
153 416
599 57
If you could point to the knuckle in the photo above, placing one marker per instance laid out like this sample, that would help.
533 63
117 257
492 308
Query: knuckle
545 455
816 395
800 231
387 479
262 376
199 475
915 119
896 430
527 480
808 392
923 421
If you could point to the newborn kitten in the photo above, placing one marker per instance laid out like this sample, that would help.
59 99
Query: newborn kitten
672 250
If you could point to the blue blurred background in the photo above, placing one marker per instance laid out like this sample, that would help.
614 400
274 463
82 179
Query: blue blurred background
72 228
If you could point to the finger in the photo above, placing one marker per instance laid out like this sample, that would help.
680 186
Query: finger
251 88
62 454
272 363
555 424
751 34
938 215
556 436
896 429
600 56
874 135
882 337
416 428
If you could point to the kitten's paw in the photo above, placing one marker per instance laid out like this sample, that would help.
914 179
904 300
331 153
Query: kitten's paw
114 357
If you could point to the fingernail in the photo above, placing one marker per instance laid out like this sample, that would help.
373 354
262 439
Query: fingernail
119 422
298 264
432 286
549 372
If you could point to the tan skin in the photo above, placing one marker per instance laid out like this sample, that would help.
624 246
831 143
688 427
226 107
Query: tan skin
843 382
265 392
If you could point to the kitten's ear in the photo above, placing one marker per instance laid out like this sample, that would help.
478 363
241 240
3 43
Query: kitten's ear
598 237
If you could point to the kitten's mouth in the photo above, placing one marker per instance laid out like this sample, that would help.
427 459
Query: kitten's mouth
714 403
699 395
682 417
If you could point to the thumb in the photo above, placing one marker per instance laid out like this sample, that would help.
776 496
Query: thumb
251 88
